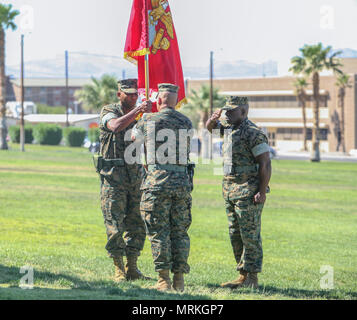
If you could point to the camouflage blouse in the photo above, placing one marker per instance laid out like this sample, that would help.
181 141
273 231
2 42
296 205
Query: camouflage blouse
113 145
242 145
167 119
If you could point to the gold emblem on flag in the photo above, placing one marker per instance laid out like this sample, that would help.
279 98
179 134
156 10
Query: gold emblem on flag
159 13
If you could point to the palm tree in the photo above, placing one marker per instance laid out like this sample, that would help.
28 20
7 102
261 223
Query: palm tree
99 93
199 102
314 59
7 16
343 82
300 90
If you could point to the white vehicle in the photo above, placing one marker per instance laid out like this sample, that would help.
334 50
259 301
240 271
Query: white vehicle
13 108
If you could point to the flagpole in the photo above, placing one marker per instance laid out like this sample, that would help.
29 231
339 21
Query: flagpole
147 84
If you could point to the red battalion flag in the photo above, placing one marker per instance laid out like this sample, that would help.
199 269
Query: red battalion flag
151 32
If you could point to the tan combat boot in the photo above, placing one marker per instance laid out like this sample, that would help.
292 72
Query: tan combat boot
179 283
132 271
164 282
119 269
251 281
238 282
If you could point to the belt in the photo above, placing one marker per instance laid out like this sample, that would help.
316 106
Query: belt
113 163
167 167
232 170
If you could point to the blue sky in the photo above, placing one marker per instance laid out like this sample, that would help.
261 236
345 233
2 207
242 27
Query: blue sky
254 30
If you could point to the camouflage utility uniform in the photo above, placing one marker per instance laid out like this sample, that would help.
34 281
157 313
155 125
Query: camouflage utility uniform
166 199
120 190
240 183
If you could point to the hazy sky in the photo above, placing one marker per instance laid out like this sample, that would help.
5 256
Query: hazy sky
253 30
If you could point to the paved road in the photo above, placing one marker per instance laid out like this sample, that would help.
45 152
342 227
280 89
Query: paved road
324 157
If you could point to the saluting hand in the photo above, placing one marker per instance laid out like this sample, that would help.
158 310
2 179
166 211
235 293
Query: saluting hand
216 115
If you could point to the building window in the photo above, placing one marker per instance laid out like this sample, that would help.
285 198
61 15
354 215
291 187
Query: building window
271 138
273 102
297 134
43 95
288 101
28 94
289 134
273 99
309 134
323 134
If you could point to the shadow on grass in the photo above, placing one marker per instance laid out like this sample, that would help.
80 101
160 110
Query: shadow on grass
311 294
292 292
80 289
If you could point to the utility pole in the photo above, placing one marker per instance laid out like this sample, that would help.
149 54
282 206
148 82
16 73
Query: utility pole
211 99
123 74
22 123
67 102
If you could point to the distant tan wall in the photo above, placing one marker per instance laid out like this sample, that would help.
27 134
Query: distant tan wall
17 92
249 84
349 65
257 84
351 115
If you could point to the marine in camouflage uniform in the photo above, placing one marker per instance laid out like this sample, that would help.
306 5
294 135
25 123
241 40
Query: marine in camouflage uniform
245 150
120 188
166 199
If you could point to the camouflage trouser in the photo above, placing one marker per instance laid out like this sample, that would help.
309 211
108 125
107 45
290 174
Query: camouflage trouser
244 219
167 215
121 211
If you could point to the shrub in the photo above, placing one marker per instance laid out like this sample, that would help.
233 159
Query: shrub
14 132
45 109
48 134
74 137
93 135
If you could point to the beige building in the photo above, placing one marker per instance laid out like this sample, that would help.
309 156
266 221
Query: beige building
274 108
49 91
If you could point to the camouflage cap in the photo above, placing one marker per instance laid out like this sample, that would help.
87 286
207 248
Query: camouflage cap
128 85
168 87
233 101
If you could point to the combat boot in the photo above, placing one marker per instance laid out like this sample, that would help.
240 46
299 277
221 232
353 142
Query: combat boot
238 282
179 283
119 269
132 271
251 281
164 282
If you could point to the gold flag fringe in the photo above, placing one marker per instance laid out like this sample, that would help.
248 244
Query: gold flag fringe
130 54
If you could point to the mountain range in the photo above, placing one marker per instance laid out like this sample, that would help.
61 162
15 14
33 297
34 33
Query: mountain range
86 65
347 53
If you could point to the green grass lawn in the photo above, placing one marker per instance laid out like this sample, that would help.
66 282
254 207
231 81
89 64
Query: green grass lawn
50 219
